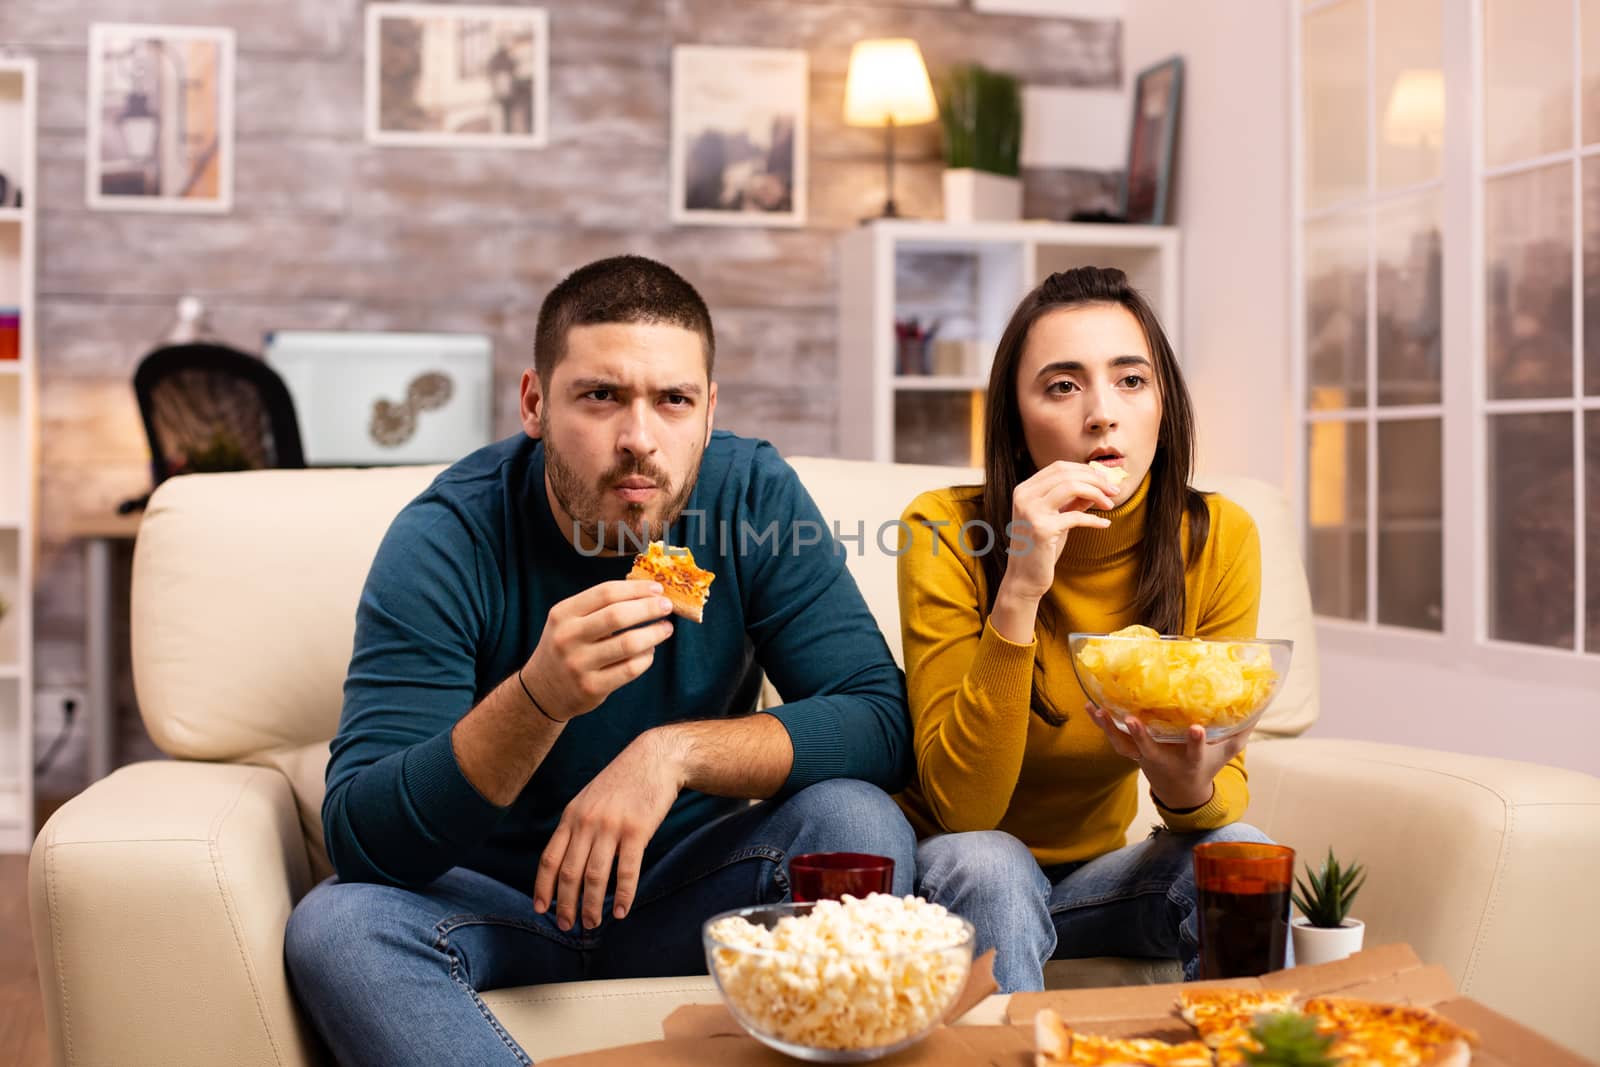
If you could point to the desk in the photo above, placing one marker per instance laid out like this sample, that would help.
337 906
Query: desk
99 532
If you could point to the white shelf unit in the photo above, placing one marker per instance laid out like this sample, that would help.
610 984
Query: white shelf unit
968 277
18 391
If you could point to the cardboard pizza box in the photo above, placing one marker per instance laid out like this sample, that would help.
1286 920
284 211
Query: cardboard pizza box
1388 973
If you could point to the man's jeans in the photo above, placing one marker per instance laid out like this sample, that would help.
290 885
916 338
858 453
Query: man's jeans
1136 901
391 976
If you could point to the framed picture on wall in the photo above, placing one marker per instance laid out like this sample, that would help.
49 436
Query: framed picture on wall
1152 143
739 136
160 132
457 76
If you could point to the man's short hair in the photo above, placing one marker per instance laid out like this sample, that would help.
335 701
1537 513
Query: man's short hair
623 289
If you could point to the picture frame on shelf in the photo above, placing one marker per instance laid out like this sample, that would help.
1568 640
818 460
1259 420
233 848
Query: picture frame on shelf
160 118
739 136
1152 143
448 76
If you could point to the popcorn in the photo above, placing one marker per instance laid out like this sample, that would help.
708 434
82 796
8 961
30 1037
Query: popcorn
1177 683
852 974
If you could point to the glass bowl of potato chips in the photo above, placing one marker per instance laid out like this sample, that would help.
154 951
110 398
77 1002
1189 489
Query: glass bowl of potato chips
1172 683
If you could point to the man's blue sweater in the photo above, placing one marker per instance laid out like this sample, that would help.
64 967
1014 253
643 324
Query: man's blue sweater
458 596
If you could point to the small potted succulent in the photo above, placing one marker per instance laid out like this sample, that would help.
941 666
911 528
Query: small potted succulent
981 113
1289 1039
1323 930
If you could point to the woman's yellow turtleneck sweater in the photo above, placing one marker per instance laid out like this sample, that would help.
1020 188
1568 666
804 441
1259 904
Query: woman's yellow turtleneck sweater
985 761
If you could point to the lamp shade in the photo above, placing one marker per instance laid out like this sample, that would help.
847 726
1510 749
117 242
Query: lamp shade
888 83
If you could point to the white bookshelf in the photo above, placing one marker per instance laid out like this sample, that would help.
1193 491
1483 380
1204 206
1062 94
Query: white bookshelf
18 390
968 277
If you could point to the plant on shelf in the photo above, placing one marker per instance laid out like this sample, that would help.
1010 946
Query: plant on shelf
980 111
1324 897
1289 1039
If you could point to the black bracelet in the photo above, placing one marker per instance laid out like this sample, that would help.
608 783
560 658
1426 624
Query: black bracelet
535 703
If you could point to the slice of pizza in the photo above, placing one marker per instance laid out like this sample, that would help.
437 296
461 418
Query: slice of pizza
1056 1044
1370 1034
1223 1016
686 585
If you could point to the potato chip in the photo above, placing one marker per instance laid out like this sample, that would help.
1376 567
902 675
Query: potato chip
1116 474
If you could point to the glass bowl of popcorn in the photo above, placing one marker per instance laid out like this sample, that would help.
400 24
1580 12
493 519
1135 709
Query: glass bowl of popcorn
1172 683
840 981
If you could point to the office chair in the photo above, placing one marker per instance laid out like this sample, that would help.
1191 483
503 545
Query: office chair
207 407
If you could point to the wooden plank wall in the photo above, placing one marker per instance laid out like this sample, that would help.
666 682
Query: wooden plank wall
330 232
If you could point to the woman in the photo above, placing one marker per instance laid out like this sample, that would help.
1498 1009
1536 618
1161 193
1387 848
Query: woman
1024 795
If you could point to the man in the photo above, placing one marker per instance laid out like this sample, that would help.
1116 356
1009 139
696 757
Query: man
521 721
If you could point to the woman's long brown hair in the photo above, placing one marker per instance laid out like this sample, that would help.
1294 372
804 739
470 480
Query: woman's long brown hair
1159 599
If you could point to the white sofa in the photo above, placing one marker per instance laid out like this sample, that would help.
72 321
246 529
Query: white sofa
159 895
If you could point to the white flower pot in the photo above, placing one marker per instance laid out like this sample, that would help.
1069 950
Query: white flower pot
1321 944
978 196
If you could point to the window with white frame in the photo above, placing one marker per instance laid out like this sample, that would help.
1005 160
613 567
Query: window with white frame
1516 364
1372 247
1540 380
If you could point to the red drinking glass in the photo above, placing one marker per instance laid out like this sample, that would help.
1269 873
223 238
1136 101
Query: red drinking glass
1244 907
830 875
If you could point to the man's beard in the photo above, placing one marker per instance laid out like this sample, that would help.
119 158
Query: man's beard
585 503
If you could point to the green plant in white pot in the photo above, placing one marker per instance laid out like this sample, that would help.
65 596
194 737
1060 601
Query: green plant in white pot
980 111
1324 931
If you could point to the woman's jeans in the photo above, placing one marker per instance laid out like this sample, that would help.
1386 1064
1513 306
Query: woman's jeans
1136 901
391 976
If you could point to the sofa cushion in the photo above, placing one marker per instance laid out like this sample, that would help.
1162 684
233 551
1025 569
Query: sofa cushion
1096 972
244 603
856 495
571 1017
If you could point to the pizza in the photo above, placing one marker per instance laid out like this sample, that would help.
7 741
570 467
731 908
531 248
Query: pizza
1369 1034
1223 1018
1365 1034
1218 1013
1056 1043
686 585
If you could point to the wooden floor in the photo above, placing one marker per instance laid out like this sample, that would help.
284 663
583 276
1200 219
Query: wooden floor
21 1009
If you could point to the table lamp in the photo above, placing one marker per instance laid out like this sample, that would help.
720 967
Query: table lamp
888 86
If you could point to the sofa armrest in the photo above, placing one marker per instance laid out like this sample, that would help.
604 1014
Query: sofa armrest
1487 867
158 898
